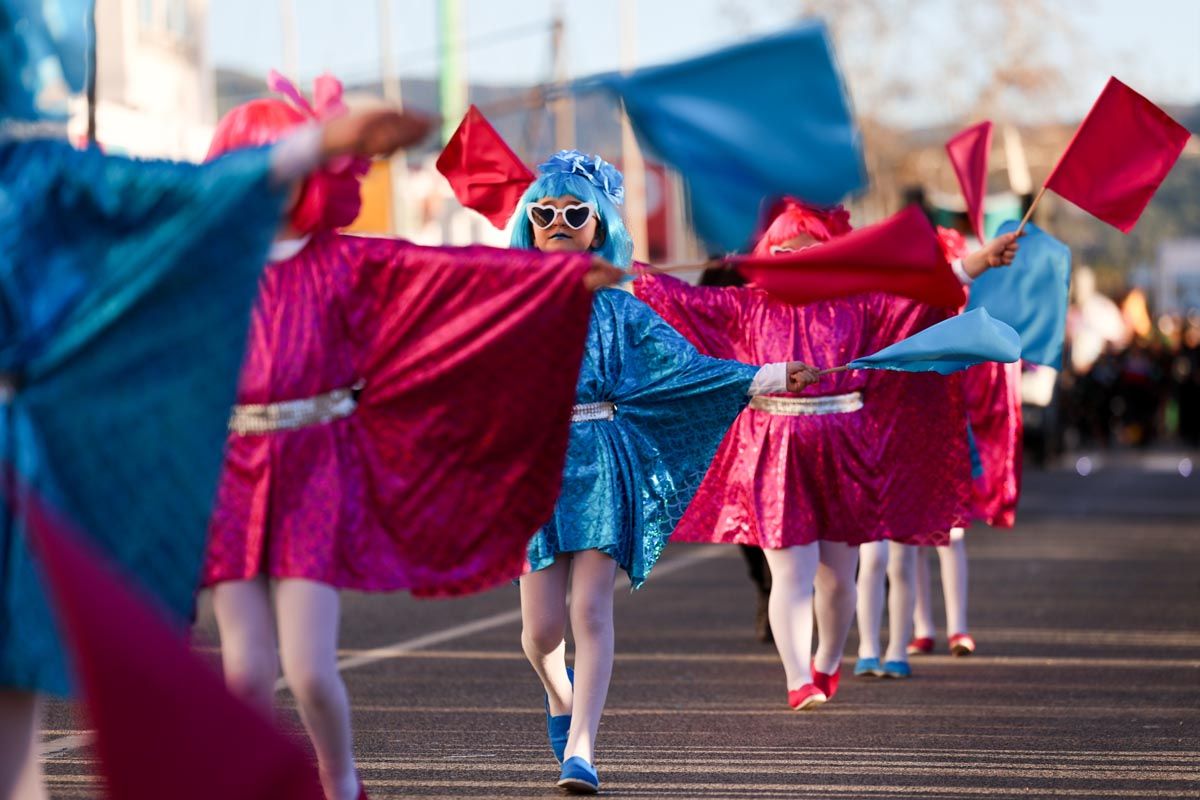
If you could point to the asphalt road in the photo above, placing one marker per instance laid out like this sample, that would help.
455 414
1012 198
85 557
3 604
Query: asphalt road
1086 683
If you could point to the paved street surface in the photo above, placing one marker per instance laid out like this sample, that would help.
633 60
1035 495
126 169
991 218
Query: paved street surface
1086 684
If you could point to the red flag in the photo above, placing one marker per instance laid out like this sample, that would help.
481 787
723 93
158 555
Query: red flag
165 724
1122 151
484 172
901 255
968 151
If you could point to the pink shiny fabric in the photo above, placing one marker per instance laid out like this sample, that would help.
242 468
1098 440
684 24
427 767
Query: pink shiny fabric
454 455
994 408
896 469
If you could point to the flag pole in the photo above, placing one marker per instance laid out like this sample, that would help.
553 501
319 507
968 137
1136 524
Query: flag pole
832 370
1032 206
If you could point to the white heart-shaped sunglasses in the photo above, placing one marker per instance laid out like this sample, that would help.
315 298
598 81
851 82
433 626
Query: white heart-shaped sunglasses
575 215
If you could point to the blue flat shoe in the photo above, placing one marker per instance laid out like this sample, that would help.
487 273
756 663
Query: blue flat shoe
868 668
579 777
897 669
559 728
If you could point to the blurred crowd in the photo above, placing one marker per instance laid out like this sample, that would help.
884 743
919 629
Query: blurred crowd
1128 379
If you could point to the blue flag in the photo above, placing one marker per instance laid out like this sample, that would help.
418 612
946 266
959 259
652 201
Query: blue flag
752 122
43 55
957 343
1030 295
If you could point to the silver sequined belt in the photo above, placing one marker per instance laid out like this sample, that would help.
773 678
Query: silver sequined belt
593 412
288 415
801 406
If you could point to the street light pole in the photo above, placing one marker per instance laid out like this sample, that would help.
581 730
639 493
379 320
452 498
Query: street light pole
631 154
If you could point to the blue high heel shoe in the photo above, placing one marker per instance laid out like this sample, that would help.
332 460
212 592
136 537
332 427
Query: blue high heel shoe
896 669
559 728
868 668
579 777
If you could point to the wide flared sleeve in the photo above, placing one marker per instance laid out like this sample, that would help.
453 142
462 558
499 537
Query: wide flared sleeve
125 291
470 363
708 316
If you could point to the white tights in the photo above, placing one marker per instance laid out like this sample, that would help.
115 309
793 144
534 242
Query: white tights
898 564
20 773
953 562
592 576
826 568
306 618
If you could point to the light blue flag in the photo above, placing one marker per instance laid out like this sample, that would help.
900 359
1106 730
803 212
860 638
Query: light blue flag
752 122
43 55
957 343
1030 295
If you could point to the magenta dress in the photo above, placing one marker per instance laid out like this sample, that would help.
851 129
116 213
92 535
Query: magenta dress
442 382
994 408
857 464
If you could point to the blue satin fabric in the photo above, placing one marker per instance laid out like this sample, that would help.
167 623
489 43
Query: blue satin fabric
125 291
628 480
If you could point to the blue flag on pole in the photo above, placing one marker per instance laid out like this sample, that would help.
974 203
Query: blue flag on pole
1030 295
957 343
756 121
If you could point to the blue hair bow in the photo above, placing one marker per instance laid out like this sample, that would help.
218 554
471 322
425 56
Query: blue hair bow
601 174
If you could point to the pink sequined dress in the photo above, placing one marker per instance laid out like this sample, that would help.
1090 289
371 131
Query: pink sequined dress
421 404
994 408
866 455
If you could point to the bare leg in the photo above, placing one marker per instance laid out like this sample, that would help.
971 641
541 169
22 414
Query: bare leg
923 608
793 571
834 603
872 590
953 560
544 629
308 616
593 578
248 654
902 566
20 772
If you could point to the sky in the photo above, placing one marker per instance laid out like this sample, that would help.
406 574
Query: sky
1154 45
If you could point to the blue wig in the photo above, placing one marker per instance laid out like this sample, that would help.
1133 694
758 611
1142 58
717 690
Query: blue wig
590 179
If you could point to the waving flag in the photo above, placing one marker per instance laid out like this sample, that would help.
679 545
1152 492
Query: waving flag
762 119
484 172
1120 155
1030 295
165 724
900 255
968 151
957 343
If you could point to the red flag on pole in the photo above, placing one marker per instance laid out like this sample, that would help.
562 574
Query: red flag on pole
483 171
901 255
1121 153
968 151
165 724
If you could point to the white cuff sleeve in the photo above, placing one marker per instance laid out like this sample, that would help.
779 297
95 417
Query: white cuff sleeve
960 272
296 155
770 379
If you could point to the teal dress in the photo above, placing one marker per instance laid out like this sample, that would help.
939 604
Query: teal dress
125 292
628 480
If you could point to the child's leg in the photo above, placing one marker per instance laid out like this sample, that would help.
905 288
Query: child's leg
872 570
248 654
901 570
20 773
544 628
923 607
308 616
953 560
593 576
793 570
834 602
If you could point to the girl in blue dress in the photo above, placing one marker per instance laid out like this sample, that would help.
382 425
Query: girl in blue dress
650 412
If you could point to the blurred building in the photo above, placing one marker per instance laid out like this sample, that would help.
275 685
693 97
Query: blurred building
1177 286
154 83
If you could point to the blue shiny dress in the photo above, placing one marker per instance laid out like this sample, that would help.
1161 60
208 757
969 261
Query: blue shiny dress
125 291
628 480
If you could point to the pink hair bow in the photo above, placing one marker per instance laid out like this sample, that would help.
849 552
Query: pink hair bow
327 103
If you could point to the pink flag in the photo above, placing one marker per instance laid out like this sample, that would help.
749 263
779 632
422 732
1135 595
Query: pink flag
901 255
165 724
483 171
968 151
1121 153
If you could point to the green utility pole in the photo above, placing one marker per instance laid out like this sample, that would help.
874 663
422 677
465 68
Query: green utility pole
452 70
